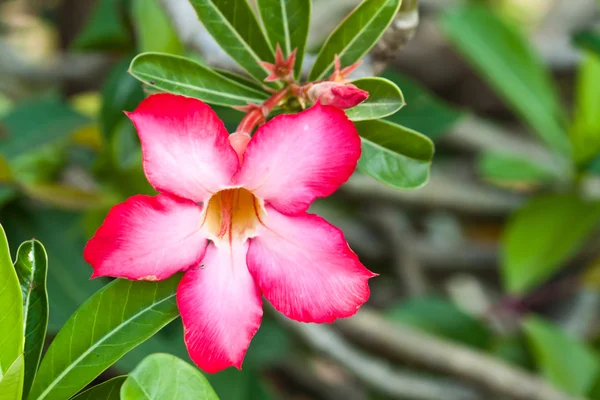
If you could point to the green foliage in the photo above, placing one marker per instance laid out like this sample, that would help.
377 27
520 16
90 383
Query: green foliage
385 98
109 390
565 361
153 29
232 384
542 235
11 311
105 28
116 319
501 54
162 376
180 75
11 383
394 154
286 23
32 266
234 26
355 36
505 168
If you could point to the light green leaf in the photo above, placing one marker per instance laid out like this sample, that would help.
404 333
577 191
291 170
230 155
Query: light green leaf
109 390
162 376
11 384
116 319
542 235
585 131
394 154
508 169
385 98
11 309
355 36
105 28
32 266
180 75
234 26
565 361
286 23
153 29
504 57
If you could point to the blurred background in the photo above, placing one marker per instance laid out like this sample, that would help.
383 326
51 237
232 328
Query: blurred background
489 275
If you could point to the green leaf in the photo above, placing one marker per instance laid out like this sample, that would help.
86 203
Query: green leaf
11 309
355 36
286 23
116 319
508 169
153 29
162 376
504 57
180 75
440 317
423 112
109 390
32 266
53 122
11 383
588 39
585 131
105 28
233 384
565 361
235 28
385 98
394 154
542 235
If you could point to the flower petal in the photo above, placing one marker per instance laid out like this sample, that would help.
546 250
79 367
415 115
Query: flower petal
221 308
185 146
306 269
147 238
293 159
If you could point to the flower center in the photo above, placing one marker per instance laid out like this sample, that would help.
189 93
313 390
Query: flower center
233 214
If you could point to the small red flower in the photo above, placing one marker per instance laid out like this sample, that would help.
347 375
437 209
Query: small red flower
282 69
237 227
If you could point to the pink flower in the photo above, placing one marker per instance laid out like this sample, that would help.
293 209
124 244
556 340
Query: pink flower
239 230
338 94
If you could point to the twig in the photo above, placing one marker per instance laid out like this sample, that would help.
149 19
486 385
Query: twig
411 345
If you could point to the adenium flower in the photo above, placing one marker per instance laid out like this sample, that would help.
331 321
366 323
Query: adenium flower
338 94
237 226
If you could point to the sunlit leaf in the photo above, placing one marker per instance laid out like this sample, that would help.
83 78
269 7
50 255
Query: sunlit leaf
153 29
11 383
385 98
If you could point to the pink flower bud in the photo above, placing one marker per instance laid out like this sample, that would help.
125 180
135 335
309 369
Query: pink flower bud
337 94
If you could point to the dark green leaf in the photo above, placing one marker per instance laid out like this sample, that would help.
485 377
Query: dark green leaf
355 36
286 23
162 376
234 26
109 390
31 265
423 112
11 383
154 31
116 319
542 235
385 98
507 169
588 39
504 57
233 384
565 361
180 75
394 154
442 318
11 309
105 28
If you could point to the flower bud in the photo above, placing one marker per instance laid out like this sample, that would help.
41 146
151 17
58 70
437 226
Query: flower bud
341 95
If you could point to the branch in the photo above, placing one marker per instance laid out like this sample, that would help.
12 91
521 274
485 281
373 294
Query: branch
411 345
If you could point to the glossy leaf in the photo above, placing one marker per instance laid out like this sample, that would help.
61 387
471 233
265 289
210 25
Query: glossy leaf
585 131
116 319
104 29
162 376
153 29
109 390
423 112
355 36
32 266
11 383
394 154
542 235
235 28
286 23
565 361
385 98
504 57
507 169
180 75
11 309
